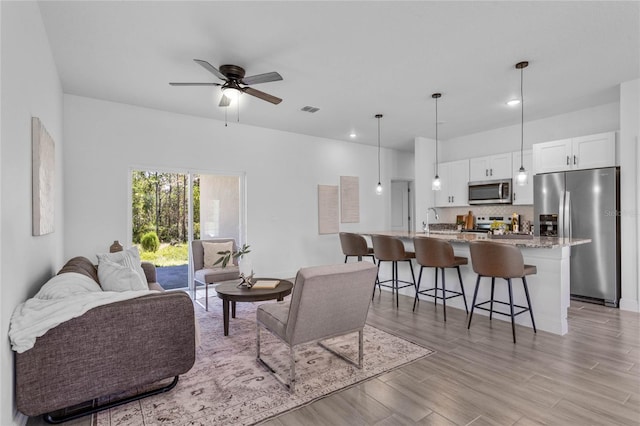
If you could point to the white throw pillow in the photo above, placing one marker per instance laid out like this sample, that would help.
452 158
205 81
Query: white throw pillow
116 277
129 258
211 255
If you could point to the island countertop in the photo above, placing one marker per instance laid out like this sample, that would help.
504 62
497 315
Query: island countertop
466 237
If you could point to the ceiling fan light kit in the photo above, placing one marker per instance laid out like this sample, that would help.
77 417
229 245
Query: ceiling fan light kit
235 83
522 173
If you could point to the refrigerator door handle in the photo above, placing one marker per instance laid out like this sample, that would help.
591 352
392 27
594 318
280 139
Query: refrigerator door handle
567 213
561 215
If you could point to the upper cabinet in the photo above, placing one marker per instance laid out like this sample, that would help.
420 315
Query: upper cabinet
584 152
490 167
522 195
454 177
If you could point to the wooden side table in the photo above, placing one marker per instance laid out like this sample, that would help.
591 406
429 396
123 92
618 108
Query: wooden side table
230 293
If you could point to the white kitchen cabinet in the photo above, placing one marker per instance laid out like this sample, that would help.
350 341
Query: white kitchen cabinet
584 152
490 167
594 151
522 195
454 176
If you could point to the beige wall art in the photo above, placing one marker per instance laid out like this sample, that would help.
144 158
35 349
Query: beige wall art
43 169
349 199
328 213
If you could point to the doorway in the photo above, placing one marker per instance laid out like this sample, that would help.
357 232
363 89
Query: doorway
169 209
402 205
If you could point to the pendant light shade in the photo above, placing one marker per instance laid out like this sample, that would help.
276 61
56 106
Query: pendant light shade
522 178
379 186
436 185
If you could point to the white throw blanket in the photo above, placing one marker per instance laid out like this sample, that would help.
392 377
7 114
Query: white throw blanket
62 298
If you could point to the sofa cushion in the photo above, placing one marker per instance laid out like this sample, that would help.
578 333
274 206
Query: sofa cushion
116 277
211 251
81 265
129 258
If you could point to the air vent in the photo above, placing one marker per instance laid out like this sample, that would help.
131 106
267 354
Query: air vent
310 109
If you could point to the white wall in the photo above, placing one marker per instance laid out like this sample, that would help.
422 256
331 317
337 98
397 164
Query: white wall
588 121
30 87
629 156
104 139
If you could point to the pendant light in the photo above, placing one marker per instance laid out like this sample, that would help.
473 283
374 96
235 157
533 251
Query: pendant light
436 185
522 173
379 187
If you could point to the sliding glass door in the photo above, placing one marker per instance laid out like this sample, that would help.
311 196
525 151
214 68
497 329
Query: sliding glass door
169 209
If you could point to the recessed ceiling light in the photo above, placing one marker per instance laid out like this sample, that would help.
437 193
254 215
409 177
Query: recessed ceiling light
513 102
352 135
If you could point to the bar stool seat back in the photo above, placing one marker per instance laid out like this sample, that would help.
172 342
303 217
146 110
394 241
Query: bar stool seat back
497 260
438 254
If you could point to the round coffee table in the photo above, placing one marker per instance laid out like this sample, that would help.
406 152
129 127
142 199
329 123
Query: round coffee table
229 292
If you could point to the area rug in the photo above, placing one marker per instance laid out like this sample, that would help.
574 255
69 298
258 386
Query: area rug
227 386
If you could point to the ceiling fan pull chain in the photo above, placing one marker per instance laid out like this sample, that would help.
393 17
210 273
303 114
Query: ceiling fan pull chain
225 116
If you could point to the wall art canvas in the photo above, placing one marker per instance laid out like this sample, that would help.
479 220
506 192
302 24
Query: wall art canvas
349 199
43 169
328 214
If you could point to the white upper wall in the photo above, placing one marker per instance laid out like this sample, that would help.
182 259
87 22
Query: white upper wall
588 121
30 87
104 140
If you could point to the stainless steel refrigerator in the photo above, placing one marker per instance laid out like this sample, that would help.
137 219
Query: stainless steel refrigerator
584 204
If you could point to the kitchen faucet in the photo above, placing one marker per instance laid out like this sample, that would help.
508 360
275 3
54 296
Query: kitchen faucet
425 226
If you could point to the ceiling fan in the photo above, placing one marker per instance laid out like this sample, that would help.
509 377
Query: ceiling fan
235 81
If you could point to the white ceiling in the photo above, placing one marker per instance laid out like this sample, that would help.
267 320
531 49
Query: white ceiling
352 60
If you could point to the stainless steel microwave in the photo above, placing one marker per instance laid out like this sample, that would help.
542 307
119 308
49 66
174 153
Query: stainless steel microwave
490 192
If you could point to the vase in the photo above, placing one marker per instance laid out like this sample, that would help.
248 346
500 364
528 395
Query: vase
115 247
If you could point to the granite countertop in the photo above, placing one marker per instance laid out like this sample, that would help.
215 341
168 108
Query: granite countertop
466 237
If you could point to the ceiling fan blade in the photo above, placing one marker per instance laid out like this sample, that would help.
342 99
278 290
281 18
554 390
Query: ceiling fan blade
195 84
264 96
213 70
262 78
224 101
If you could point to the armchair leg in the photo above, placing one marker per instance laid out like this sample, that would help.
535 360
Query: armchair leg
292 370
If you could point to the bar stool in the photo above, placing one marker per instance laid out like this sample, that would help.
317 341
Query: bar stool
438 254
355 245
391 249
498 260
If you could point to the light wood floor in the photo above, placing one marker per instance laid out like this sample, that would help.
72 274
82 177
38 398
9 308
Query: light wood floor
591 376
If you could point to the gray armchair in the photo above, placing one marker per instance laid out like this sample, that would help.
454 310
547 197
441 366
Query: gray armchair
205 276
327 301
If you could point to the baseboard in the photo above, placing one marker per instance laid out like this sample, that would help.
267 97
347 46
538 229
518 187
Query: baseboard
627 304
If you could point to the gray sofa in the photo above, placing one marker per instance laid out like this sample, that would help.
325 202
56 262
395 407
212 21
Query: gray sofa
110 349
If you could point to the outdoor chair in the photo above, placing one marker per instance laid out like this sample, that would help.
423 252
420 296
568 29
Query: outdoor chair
327 301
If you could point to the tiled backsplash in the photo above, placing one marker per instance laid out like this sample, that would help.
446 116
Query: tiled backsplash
448 214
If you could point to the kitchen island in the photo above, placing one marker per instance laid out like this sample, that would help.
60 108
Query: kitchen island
549 288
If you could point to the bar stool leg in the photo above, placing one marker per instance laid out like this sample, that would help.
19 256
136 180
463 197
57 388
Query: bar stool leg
444 295
473 304
345 259
493 286
435 297
418 288
395 283
462 290
513 324
413 277
374 287
526 292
